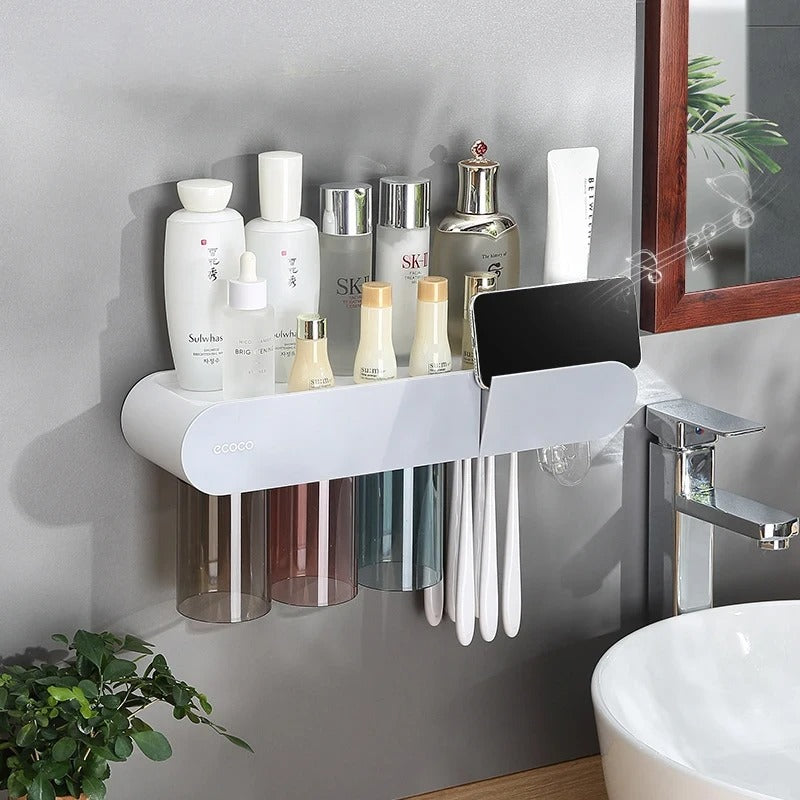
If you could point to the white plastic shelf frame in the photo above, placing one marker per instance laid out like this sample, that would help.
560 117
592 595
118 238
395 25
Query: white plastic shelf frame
227 446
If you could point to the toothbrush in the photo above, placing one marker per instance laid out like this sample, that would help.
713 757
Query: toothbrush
478 492
512 590
487 596
465 587
433 595
453 521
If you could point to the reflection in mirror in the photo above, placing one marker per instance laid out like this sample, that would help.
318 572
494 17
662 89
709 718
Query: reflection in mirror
743 207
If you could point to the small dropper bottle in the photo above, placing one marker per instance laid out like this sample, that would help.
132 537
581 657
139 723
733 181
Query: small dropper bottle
430 352
311 368
474 283
248 325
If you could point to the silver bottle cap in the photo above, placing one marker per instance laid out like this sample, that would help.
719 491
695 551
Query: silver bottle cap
477 182
404 202
311 326
345 208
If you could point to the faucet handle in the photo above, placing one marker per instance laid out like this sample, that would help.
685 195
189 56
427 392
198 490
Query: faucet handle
682 423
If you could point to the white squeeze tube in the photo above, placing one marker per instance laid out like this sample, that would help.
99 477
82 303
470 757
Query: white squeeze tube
571 183
571 186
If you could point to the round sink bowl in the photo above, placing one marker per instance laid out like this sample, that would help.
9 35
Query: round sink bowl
704 707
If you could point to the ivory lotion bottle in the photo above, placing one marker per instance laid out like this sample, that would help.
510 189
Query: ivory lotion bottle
311 368
375 357
476 236
286 246
430 351
248 325
402 244
202 246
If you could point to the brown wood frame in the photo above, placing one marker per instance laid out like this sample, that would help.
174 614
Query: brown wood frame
665 304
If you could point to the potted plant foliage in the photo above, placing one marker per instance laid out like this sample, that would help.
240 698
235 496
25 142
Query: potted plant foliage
61 726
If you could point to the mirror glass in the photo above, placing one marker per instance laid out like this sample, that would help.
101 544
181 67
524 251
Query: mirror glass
743 141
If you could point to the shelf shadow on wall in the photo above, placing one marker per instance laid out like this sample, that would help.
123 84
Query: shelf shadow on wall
82 472
618 543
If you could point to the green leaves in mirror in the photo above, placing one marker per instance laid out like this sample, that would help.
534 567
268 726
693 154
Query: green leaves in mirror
61 725
741 139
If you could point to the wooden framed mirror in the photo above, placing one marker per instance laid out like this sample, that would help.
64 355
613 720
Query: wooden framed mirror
721 162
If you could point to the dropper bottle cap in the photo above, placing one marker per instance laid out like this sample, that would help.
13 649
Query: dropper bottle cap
247 293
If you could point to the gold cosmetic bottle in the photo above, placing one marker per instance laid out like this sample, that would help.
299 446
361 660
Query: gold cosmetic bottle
476 236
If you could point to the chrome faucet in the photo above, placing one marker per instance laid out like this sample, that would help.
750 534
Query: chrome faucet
685 505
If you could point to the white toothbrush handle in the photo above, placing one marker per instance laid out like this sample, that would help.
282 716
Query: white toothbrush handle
512 589
478 500
487 596
453 518
465 586
434 603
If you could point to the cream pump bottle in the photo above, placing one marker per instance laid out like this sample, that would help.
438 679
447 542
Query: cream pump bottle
402 244
345 253
286 247
474 284
476 236
430 352
311 368
202 246
248 325
375 357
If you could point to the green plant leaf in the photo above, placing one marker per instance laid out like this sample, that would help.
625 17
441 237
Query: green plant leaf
3 697
135 645
40 788
96 767
59 637
111 701
117 669
89 689
238 742
17 784
27 735
64 748
153 744
123 746
204 704
91 646
61 693
54 770
93 788
181 696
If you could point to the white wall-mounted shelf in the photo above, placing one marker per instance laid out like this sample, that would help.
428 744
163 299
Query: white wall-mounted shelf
227 446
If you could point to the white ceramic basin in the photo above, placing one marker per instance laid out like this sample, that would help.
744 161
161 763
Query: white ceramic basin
704 707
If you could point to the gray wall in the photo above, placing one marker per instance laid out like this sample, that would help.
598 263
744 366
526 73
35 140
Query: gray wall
105 105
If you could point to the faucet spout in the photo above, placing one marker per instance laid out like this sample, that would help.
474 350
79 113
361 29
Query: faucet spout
771 528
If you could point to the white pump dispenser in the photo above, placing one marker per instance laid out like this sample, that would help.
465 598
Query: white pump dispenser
286 247
249 334
202 246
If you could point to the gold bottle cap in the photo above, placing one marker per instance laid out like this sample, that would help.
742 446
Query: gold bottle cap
311 326
376 294
432 289
475 283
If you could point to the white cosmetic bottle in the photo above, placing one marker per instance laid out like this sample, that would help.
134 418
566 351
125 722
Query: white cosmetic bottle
248 325
286 247
430 352
402 245
202 246
375 358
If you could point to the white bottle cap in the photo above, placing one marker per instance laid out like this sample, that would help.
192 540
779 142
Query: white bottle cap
280 185
205 194
247 293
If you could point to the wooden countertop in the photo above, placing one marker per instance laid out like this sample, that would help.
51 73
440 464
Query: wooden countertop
572 780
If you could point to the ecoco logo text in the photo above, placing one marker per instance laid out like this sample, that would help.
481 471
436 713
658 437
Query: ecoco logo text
233 447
